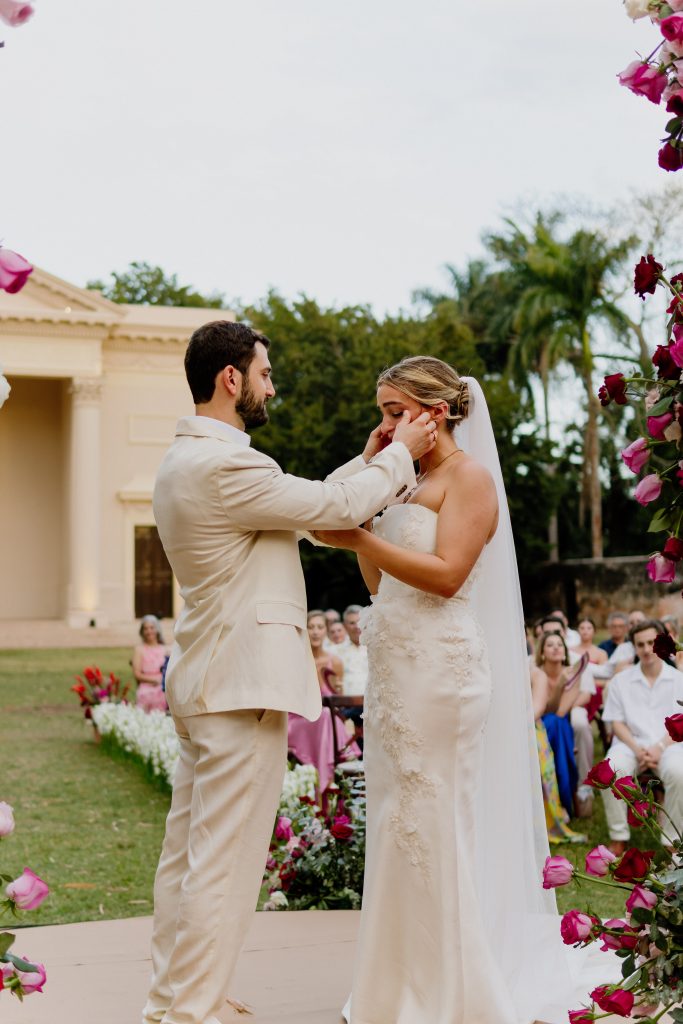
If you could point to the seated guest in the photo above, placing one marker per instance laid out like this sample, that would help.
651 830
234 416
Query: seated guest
586 630
337 635
617 625
313 742
571 636
148 662
552 663
556 818
624 654
331 616
638 701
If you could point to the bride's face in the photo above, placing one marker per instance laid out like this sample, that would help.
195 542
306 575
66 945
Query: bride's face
392 404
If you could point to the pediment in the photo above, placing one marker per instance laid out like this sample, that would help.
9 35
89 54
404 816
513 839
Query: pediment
46 293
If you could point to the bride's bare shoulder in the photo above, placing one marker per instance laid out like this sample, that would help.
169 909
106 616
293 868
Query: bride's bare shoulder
466 471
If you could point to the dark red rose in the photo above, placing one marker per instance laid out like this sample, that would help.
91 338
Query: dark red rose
664 361
640 807
626 786
673 549
634 865
677 278
675 305
287 875
613 390
601 775
646 275
613 1000
309 801
674 727
675 104
341 829
664 646
670 157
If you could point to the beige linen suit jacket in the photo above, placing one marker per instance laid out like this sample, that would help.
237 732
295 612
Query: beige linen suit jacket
227 516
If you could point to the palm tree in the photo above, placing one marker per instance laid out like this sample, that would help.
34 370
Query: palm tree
562 294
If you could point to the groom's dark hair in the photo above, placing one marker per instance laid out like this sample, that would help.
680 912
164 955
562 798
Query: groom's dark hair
215 346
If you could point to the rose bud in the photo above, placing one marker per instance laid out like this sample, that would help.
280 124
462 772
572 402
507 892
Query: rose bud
601 775
673 549
661 569
634 865
672 28
14 271
32 981
576 927
656 425
626 786
6 819
283 829
643 80
636 455
635 815
664 646
581 1017
674 727
28 891
649 489
666 364
670 157
599 860
641 898
556 871
618 1000
341 829
625 937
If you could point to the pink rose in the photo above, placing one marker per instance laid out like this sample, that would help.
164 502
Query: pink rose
271 864
637 453
32 981
6 819
672 28
613 1000
575 927
644 80
661 569
581 1017
283 829
14 13
598 861
620 935
656 425
626 786
641 898
14 269
28 891
556 871
649 489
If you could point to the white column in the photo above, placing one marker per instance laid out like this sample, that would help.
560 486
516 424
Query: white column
84 501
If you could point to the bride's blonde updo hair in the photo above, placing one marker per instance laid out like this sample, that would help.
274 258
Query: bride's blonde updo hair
429 381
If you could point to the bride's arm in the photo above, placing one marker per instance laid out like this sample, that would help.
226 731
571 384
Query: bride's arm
465 520
370 573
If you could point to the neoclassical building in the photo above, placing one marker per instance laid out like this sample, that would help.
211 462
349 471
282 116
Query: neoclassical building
96 391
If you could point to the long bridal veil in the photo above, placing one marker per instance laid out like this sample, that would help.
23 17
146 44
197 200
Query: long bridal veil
520 917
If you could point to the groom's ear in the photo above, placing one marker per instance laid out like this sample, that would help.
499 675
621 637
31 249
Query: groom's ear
230 377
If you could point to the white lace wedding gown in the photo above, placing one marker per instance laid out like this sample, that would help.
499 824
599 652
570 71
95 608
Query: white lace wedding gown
422 955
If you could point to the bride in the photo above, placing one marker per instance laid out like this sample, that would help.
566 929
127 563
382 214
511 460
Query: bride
455 926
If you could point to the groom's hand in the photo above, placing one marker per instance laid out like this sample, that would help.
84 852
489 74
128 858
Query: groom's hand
419 437
376 442
348 539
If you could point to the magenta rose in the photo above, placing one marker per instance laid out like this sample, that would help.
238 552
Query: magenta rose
637 812
6 819
601 775
14 13
661 569
626 786
636 455
676 348
646 275
674 727
613 389
599 860
576 927
581 1017
644 80
620 935
672 28
656 425
32 981
283 829
641 898
14 271
649 489
634 865
28 891
613 999
670 157
556 871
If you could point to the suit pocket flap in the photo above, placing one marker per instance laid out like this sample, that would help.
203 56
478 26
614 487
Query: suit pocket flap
281 611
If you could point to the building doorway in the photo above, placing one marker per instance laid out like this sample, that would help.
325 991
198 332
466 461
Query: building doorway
153 575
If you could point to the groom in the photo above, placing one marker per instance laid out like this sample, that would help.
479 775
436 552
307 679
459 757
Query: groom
227 517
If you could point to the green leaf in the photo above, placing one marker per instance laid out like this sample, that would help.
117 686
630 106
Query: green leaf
661 406
676 1015
6 940
661 520
673 126
21 965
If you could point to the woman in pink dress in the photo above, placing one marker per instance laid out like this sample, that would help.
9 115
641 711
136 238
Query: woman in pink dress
148 661
313 742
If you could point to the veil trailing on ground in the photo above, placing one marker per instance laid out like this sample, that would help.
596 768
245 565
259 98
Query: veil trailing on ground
520 917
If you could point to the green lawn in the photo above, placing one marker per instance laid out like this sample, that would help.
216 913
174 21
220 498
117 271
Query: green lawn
89 825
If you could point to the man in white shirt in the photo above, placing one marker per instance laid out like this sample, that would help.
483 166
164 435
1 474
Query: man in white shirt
638 701
353 654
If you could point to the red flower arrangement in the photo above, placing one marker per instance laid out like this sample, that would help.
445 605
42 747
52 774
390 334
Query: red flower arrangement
92 689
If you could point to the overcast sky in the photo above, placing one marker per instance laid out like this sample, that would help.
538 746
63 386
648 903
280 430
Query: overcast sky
344 150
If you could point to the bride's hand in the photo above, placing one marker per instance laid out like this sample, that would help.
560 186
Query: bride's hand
339 538
376 442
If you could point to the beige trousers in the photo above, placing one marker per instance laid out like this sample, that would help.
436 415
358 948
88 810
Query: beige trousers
225 798
670 771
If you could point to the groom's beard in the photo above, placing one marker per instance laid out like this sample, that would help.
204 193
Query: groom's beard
252 411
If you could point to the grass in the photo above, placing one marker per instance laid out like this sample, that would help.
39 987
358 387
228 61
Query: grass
90 825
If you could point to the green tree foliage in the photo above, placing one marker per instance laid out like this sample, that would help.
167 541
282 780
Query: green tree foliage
145 285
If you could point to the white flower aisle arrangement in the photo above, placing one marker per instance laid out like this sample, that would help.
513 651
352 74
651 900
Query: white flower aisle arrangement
148 736
19 976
